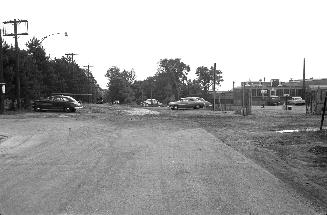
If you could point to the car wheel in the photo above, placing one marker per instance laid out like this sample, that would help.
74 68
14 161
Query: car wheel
67 109
197 107
175 107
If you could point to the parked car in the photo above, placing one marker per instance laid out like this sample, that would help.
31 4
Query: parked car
296 101
58 103
273 100
186 103
151 103
205 103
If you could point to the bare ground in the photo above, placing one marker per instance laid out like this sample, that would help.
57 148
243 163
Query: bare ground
122 160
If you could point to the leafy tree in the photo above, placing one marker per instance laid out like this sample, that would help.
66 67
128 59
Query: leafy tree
218 78
120 85
172 74
204 78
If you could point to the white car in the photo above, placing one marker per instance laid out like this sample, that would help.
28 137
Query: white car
205 103
296 101
151 103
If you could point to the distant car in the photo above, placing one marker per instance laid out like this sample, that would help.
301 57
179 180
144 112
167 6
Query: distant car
296 101
186 103
58 103
151 103
206 103
273 100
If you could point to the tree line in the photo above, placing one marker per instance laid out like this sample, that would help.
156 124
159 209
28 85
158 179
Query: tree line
41 76
169 83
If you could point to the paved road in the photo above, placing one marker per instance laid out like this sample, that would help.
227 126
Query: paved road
69 166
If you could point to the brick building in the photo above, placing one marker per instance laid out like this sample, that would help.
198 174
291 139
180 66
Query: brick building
259 92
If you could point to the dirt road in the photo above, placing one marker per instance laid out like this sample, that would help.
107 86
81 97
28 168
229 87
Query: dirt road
67 164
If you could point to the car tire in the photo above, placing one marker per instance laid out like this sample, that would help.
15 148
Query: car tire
67 109
197 107
175 107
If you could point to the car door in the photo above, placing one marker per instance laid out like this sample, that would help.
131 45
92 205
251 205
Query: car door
192 103
59 103
46 103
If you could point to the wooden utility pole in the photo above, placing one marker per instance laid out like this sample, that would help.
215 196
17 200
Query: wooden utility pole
71 57
2 84
214 87
90 84
323 113
303 87
15 35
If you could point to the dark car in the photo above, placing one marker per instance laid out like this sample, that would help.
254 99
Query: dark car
58 103
273 100
186 103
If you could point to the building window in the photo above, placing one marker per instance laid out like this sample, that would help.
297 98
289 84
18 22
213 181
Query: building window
254 92
273 93
292 92
287 91
279 92
299 92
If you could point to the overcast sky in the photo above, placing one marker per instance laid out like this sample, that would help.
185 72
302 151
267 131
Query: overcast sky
248 39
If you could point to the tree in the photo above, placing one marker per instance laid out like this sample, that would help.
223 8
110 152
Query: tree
120 85
218 78
173 72
204 78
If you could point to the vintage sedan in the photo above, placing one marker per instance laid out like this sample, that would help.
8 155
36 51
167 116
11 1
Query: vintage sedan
296 101
57 103
186 103
205 102
273 100
151 103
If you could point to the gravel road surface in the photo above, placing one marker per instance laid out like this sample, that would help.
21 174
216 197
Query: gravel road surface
66 165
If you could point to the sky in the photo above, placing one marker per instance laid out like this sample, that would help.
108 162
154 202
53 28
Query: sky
248 40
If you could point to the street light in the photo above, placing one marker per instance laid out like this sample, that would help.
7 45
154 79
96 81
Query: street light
43 38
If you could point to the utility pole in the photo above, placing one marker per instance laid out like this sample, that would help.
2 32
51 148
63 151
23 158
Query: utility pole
90 85
323 113
214 87
303 87
15 35
2 84
71 57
